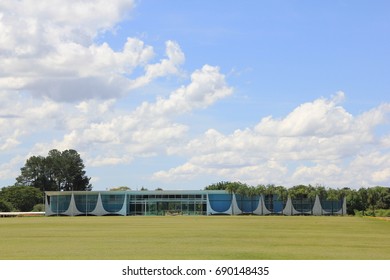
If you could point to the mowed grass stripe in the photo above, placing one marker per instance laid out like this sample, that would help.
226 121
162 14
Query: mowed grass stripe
194 237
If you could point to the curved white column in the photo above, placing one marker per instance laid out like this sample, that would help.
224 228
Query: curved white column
99 209
72 209
289 208
317 208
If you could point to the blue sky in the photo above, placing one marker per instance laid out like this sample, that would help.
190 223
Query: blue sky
182 94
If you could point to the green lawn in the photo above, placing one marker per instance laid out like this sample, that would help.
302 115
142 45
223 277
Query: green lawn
185 237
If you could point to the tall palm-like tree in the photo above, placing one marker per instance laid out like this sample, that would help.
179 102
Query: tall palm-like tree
270 192
282 194
372 198
242 190
363 194
231 188
333 195
252 193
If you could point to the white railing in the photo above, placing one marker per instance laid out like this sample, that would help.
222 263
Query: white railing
15 214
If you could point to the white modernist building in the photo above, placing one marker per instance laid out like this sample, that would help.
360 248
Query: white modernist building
202 202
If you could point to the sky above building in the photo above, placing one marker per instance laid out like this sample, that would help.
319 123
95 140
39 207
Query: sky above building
182 94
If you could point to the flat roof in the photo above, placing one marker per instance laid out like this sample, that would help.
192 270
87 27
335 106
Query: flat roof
131 192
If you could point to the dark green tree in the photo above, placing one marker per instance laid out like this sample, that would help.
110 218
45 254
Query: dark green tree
261 191
282 194
59 171
333 195
383 201
354 201
242 191
252 193
363 194
270 191
373 196
22 198
218 186
5 206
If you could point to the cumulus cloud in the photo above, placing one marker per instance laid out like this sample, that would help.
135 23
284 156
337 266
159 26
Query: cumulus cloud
48 49
207 86
21 116
318 142
10 168
321 118
111 136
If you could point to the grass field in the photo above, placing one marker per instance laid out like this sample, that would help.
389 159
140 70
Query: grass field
196 237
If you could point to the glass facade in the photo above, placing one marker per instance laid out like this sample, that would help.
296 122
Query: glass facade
162 203
220 202
303 204
273 203
331 206
86 203
112 202
167 204
60 204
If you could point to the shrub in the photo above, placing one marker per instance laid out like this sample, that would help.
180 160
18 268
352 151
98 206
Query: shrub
377 213
39 207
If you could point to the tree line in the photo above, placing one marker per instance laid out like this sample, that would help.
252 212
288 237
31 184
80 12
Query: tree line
358 200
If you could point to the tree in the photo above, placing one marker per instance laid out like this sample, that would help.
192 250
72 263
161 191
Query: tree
35 173
59 171
260 191
333 195
320 191
22 198
383 201
363 194
353 200
5 206
312 192
270 191
218 186
242 191
282 194
121 188
252 193
372 198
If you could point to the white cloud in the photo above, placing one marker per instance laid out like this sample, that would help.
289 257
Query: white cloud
10 168
318 142
207 86
49 55
321 118
112 136
22 116
30 25
48 49
382 175
166 66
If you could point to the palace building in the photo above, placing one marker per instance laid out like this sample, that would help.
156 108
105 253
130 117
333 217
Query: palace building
183 202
